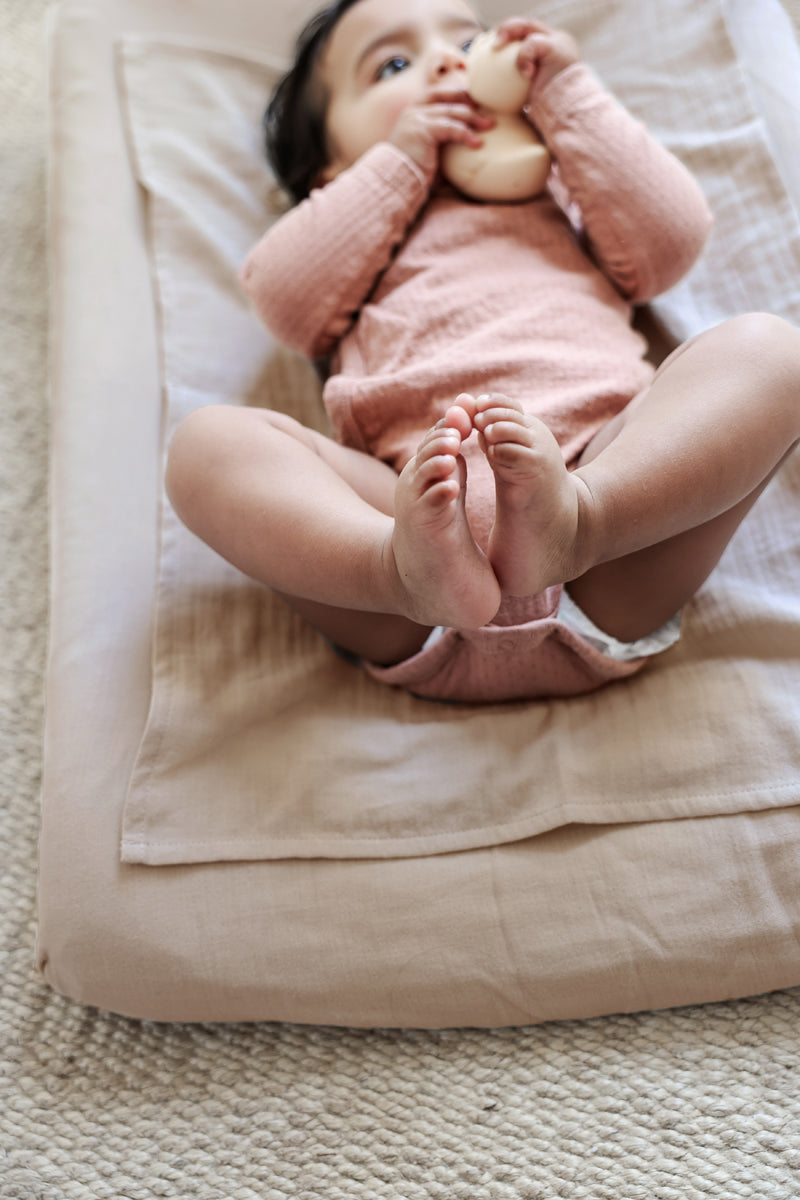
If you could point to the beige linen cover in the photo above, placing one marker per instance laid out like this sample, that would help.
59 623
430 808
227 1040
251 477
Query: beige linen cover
486 865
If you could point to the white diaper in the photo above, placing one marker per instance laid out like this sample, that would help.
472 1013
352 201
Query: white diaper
653 643
434 636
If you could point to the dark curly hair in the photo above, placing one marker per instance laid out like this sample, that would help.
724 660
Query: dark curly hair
294 123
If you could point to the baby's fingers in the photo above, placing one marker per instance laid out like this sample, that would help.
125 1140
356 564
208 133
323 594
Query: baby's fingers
423 129
458 123
543 51
447 130
516 29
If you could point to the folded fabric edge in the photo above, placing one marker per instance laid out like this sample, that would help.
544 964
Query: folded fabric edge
165 852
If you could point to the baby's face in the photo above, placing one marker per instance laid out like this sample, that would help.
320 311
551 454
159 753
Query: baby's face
383 56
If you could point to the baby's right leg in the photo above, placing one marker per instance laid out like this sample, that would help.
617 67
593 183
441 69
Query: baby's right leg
314 521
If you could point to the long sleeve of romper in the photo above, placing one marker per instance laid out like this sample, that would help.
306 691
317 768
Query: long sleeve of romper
310 274
645 218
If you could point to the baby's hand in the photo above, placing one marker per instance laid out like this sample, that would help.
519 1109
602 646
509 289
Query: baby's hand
543 52
444 117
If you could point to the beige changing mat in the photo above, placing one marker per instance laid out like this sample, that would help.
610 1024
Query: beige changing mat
236 823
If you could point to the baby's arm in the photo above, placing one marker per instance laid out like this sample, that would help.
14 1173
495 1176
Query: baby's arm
312 271
645 217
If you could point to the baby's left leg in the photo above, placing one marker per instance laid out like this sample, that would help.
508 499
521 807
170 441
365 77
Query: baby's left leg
373 559
644 519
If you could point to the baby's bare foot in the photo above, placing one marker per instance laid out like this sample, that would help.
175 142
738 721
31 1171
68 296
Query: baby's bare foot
533 541
445 578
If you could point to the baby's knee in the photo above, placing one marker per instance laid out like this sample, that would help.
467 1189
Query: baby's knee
763 339
196 452
214 445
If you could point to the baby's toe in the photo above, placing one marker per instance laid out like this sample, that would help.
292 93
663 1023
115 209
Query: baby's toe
439 440
508 418
497 400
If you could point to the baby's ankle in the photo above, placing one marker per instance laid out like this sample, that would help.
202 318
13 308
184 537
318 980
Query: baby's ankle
591 544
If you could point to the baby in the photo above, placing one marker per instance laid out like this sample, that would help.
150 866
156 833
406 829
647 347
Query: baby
514 503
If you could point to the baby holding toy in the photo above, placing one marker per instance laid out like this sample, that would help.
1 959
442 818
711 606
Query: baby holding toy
514 503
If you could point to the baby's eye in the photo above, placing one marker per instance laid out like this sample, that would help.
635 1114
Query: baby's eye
392 66
467 45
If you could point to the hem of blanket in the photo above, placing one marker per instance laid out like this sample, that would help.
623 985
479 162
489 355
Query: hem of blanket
632 811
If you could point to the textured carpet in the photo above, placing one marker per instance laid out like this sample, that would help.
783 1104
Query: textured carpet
700 1102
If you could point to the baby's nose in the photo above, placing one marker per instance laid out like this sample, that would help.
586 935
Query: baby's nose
448 59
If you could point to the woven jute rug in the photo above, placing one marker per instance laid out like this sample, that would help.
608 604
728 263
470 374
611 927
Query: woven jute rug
700 1102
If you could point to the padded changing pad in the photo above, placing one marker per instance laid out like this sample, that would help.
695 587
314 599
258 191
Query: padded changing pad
238 824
